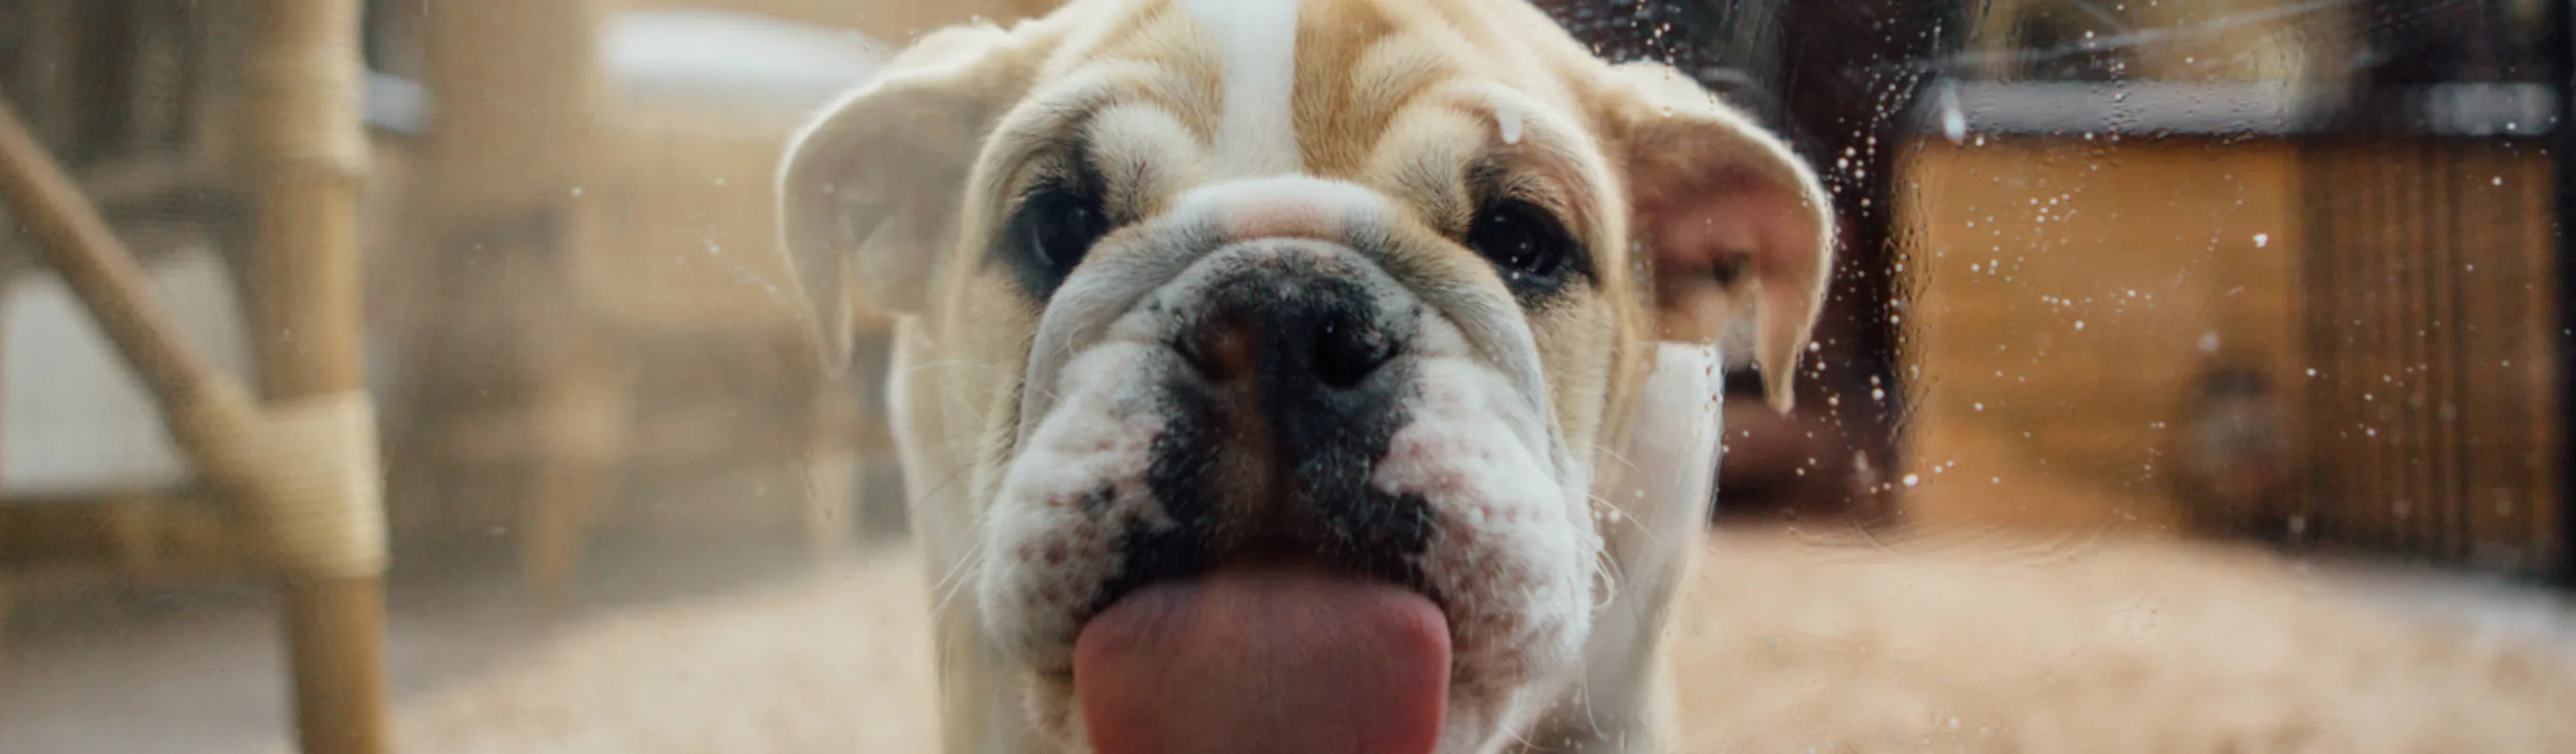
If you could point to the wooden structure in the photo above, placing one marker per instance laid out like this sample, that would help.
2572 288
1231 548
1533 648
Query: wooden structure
2431 328
2069 293
606 165
536 163
604 183
2243 299
299 465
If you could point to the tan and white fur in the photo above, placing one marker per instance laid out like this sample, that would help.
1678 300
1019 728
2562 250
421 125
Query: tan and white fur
1350 140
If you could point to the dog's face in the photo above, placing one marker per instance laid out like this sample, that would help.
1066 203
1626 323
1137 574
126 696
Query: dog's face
1353 287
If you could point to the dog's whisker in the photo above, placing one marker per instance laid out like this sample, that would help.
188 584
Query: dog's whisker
1607 501
1606 570
1624 517
954 477
967 567
1611 453
950 364
1591 713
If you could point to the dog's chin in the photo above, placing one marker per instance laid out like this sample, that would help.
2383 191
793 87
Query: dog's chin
1265 656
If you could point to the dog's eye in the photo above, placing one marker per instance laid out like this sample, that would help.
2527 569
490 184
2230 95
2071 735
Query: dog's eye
1053 229
1532 249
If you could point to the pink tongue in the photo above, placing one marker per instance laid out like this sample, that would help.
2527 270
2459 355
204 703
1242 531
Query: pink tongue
1256 661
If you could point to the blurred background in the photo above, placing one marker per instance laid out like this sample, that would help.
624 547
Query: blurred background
2194 379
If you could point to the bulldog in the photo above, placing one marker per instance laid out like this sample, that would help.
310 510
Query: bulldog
1275 375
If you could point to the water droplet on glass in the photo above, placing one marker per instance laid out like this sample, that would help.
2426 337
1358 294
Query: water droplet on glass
1954 121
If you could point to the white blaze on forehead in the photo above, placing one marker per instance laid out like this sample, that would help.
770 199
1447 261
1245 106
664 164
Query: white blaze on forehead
1256 133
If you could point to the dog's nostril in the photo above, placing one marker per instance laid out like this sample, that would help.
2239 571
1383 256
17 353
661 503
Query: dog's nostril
1222 349
1346 353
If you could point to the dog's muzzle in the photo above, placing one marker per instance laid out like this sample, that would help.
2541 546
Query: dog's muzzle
1295 383
1275 473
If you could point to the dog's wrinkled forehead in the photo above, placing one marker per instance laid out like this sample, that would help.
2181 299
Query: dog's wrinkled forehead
1402 98
1444 113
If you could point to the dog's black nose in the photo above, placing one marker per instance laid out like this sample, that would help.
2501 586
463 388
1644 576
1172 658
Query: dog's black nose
1298 388
1295 388
1292 331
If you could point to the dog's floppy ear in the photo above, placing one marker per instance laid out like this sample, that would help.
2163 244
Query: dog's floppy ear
869 191
1724 213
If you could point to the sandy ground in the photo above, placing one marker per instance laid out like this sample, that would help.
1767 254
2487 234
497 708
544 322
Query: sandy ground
1789 646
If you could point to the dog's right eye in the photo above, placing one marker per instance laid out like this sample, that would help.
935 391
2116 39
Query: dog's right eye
1053 229
1534 251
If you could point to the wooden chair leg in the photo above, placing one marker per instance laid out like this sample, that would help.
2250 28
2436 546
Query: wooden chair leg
584 417
8 596
335 629
551 532
304 149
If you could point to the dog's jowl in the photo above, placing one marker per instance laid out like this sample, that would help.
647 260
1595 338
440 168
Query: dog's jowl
1265 367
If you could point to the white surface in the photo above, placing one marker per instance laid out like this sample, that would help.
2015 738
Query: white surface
717 57
73 420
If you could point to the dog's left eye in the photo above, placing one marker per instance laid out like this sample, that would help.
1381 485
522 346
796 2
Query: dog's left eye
1533 250
1054 228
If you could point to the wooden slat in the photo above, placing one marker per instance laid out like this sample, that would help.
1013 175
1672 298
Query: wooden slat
2428 313
143 535
146 177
